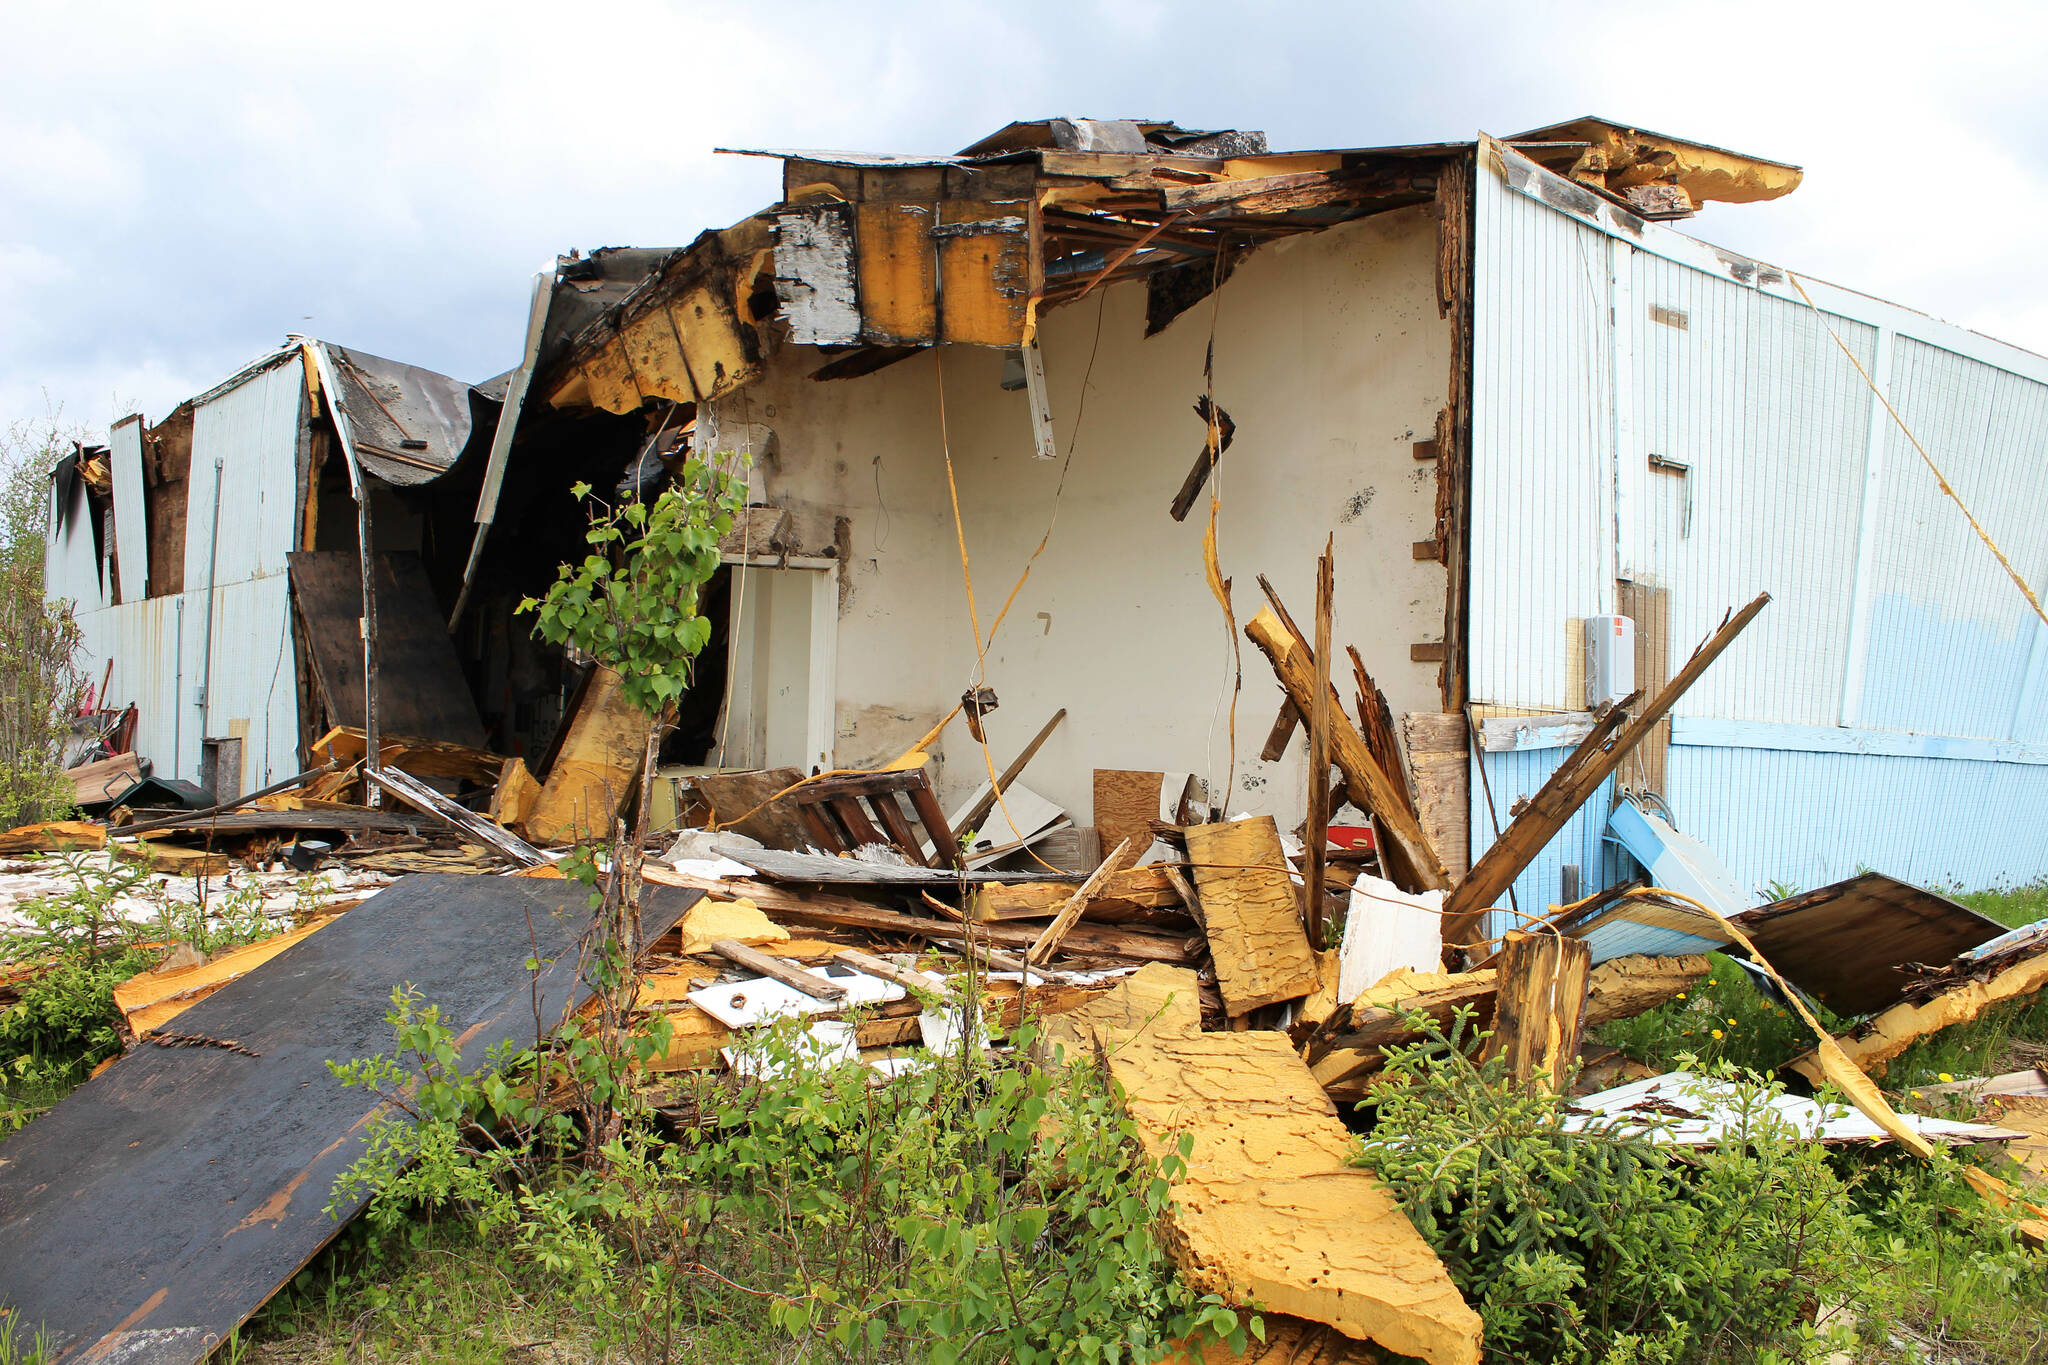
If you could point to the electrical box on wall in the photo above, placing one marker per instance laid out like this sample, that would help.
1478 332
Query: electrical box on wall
1610 660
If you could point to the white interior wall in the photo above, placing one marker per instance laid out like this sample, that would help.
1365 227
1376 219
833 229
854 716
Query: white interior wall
1332 360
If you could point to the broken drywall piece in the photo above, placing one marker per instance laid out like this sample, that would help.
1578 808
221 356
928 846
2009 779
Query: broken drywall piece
1252 914
1269 1208
1388 928
740 920
761 1000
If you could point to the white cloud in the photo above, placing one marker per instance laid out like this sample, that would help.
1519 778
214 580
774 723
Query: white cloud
181 185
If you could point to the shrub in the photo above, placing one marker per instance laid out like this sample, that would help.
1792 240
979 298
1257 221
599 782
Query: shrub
975 1209
40 685
1596 1244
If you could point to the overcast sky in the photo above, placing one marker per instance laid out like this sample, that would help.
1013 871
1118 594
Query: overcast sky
183 184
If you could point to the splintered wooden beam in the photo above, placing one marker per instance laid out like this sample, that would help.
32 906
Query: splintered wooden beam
1221 431
1541 1006
1316 836
1294 666
1575 780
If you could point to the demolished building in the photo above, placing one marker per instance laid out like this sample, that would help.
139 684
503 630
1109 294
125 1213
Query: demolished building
1552 437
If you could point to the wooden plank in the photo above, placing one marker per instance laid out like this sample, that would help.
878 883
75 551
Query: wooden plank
1540 1007
1048 942
1439 762
901 836
905 977
420 689
806 868
1284 725
1252 918
1216 438
978 812
591 779
1150 887
1576 779
1297 674
155 1208
758 962
824 909
97 783
512 799
945 848
345 745
1316 832
863 830
1650 609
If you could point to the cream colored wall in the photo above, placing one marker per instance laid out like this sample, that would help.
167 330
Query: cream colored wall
1332 360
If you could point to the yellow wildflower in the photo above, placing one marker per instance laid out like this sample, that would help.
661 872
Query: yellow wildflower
1717 1033
1945 1078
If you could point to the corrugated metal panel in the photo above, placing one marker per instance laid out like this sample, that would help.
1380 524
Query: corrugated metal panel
1650 408
253 431
72 569
253 679
1541 437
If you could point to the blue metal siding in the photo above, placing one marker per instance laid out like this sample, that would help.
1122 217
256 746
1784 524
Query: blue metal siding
1609 353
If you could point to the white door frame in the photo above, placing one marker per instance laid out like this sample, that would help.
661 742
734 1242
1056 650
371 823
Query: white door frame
822 722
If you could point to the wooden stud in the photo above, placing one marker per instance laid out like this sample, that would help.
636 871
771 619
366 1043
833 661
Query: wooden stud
1541 1006
754 960
1316 837
1048 942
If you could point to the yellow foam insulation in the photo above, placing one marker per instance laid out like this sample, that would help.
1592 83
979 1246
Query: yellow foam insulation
2025 1114
1252 914
1269 1209
1873 1044
1157 1001
708 921
694 1040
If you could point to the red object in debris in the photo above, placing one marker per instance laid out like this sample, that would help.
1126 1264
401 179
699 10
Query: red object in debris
1352 837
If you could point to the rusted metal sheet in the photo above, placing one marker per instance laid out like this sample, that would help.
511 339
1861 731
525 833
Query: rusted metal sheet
155 1209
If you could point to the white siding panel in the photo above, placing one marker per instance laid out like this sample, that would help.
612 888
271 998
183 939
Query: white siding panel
72 570
1542 485
131 516
253 431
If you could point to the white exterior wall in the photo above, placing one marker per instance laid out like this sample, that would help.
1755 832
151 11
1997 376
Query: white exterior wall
159 645
1332 360
1887 708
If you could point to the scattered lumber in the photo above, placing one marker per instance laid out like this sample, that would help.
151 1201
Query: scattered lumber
1316 832
1371 789
1069 914
99 782
815 868
152 999
1575 780
1253 919
513 798
1149 888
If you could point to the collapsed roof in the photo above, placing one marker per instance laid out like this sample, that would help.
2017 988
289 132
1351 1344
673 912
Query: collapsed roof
876 255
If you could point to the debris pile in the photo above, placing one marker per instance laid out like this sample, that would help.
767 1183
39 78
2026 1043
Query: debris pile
1241 988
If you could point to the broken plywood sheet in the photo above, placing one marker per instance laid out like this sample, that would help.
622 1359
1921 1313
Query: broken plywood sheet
1844 944
1157 1002
158 1206
1873 1044
152 999
1251 912
2027 1115
420 687
1128 801
591 777
1270 1208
